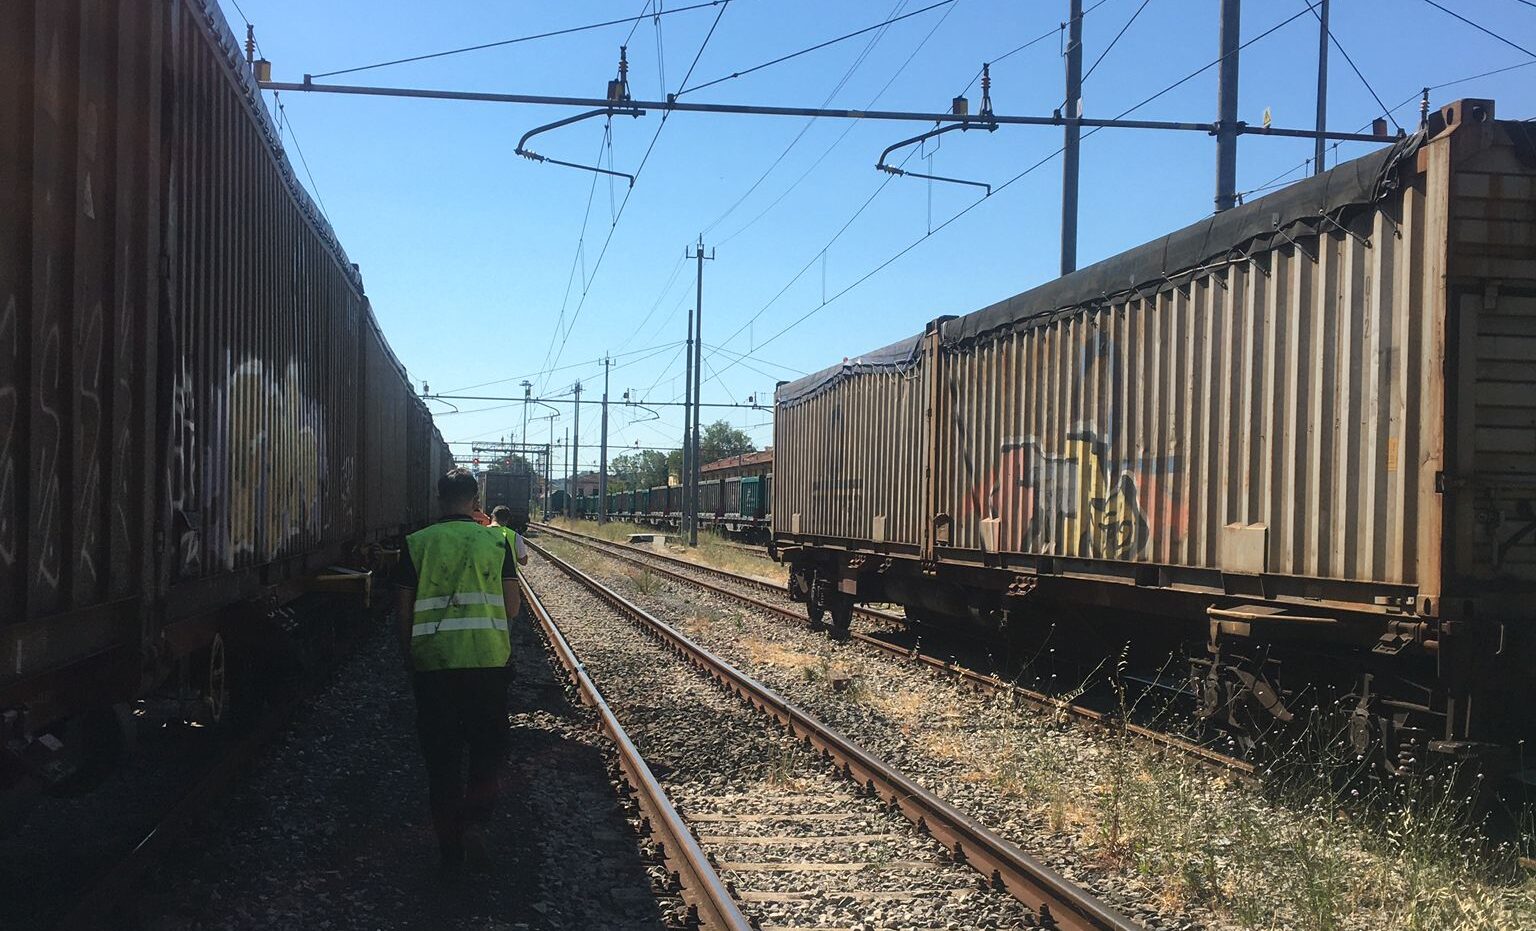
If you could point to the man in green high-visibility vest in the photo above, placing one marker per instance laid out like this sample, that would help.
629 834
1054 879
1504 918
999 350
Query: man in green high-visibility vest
458 586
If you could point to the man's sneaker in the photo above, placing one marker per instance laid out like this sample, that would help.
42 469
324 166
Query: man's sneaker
476 858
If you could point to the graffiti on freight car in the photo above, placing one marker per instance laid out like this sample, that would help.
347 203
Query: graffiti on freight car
88 437
181 471
45 476
276 457
1075 498
10 416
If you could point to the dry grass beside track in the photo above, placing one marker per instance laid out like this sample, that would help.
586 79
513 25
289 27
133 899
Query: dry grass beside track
713 550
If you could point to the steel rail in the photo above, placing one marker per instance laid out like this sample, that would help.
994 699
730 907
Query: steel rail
987 683
308 86
1057 902
709 901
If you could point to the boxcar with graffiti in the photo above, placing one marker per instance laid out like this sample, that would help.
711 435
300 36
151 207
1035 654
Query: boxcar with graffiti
1300 434
198 412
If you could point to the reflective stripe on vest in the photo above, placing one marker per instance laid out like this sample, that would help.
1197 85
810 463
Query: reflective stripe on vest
428 628
459 598
460 618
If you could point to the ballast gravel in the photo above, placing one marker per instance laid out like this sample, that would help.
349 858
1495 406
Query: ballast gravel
329 830
801 847
951 739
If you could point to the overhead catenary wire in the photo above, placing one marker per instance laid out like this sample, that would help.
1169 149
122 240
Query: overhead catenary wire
1353 67
1056 30
1278 180
813 48
287 122
1481 28
656 304
725 4
519 39
805 127
997 190
862 207
577 254
567 367
846 130
1111 46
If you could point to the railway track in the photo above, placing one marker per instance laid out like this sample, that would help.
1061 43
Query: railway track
689 871
807 828
730 585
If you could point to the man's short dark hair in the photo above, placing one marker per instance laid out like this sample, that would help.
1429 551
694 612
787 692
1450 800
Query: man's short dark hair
502 515
458 486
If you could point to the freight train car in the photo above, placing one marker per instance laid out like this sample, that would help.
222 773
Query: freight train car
198 412
511 488
1300 433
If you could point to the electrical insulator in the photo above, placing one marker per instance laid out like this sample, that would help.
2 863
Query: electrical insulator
618 89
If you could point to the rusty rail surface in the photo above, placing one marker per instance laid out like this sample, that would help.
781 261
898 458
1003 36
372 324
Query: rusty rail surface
988 683
1058 902
709 902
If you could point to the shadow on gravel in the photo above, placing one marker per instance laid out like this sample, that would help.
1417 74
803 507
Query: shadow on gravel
330 831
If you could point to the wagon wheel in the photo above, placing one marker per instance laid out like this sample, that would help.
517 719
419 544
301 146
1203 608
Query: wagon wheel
842 615
815 612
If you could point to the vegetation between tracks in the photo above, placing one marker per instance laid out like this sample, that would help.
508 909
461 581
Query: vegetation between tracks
714 550
1300 853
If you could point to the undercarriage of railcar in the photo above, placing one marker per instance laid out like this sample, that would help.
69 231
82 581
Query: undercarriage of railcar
1402 691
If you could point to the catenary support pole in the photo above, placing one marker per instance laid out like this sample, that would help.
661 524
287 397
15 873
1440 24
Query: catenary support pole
576 445
602 462
570 502
691 493
1070 163
1322 86
686 524
1226 108
527 395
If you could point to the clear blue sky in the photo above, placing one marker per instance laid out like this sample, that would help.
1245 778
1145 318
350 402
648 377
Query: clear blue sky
468 251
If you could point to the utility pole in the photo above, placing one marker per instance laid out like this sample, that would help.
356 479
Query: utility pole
602 467
1074 135
1226 106
686 525
549 469
576 442
570 505
1322 85
527 395
691 491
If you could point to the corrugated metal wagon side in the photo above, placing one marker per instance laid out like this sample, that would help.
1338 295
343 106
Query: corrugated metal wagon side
857 437
80 303
197 412
1306 422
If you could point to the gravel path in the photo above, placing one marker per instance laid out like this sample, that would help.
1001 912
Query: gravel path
801 847
329 830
